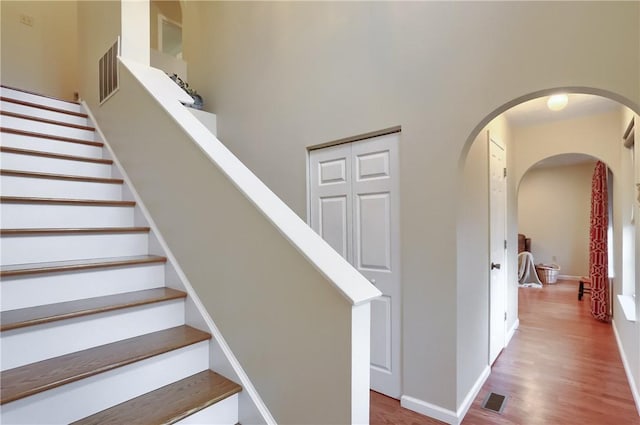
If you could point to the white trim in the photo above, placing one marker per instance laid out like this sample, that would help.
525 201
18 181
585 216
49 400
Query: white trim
511 331
628 305
471 395
627 369
446 415
569 277
428 409
213 329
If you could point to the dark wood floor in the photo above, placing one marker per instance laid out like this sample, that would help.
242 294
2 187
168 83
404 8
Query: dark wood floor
561 367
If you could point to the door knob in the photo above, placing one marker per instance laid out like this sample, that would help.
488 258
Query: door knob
495 266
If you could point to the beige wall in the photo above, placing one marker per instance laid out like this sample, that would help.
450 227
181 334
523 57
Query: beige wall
284 76
99 24
473 273
554 205
43 57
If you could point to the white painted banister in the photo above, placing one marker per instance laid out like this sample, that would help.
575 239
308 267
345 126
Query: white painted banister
294 312
337 270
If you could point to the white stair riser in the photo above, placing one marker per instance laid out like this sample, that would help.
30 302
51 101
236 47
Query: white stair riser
224 412
53 188
42 113
17 216
38 164
40 342
38 289
47 145
37 249
46 128
83 398
42 100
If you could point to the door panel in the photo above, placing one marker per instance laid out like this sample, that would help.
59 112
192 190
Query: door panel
369 192
373 226
331 200
333 222
498 281
381 334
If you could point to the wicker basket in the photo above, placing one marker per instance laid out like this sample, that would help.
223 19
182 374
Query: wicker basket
548 273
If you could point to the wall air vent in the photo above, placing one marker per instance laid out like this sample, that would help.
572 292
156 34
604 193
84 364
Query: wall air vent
108 72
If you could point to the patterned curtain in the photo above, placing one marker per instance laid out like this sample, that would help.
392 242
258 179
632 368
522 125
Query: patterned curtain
598 250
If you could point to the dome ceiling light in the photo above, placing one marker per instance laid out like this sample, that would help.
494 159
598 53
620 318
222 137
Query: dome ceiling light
557 102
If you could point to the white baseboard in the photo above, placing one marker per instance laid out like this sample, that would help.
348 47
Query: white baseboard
511 331
471 395
569 277
627 370
428 409
442 414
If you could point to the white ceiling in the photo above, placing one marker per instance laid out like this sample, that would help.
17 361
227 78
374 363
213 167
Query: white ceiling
536 112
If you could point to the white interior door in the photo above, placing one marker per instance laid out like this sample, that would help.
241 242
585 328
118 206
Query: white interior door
498 272
355 207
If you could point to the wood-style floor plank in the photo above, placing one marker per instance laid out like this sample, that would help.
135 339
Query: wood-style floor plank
51 176
46 121
19 318
77 265
169 404
64 201
51 373
45 107
561 367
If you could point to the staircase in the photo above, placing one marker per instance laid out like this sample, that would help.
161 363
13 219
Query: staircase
89 332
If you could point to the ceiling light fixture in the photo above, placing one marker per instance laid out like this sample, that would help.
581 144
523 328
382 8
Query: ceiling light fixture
557 102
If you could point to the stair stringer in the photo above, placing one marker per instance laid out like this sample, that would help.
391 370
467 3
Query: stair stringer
251 407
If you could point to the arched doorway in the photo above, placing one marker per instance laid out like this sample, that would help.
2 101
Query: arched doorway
524 149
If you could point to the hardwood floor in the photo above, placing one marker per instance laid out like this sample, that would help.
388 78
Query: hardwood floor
561 367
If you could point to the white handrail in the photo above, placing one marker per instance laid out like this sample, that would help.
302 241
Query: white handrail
351 284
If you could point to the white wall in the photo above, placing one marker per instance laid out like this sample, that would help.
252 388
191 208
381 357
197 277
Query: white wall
284 76
554 205
42 57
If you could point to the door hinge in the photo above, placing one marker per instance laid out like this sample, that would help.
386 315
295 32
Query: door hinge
505 316
504 172
505 244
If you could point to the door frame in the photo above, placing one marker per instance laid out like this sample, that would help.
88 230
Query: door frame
505 262
349 140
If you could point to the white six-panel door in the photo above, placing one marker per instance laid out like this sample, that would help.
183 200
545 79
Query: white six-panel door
354 206
498 272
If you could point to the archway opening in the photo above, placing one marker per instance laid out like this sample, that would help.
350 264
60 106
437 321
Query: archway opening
591 124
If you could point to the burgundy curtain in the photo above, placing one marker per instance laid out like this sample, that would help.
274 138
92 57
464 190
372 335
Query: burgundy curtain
598 250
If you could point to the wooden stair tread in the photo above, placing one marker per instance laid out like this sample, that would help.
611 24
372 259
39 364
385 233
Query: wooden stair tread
65 231
50 136
34 378
169 404
55 155
51 176
35 200
40 106
19 318
39 94
77 265
46 121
